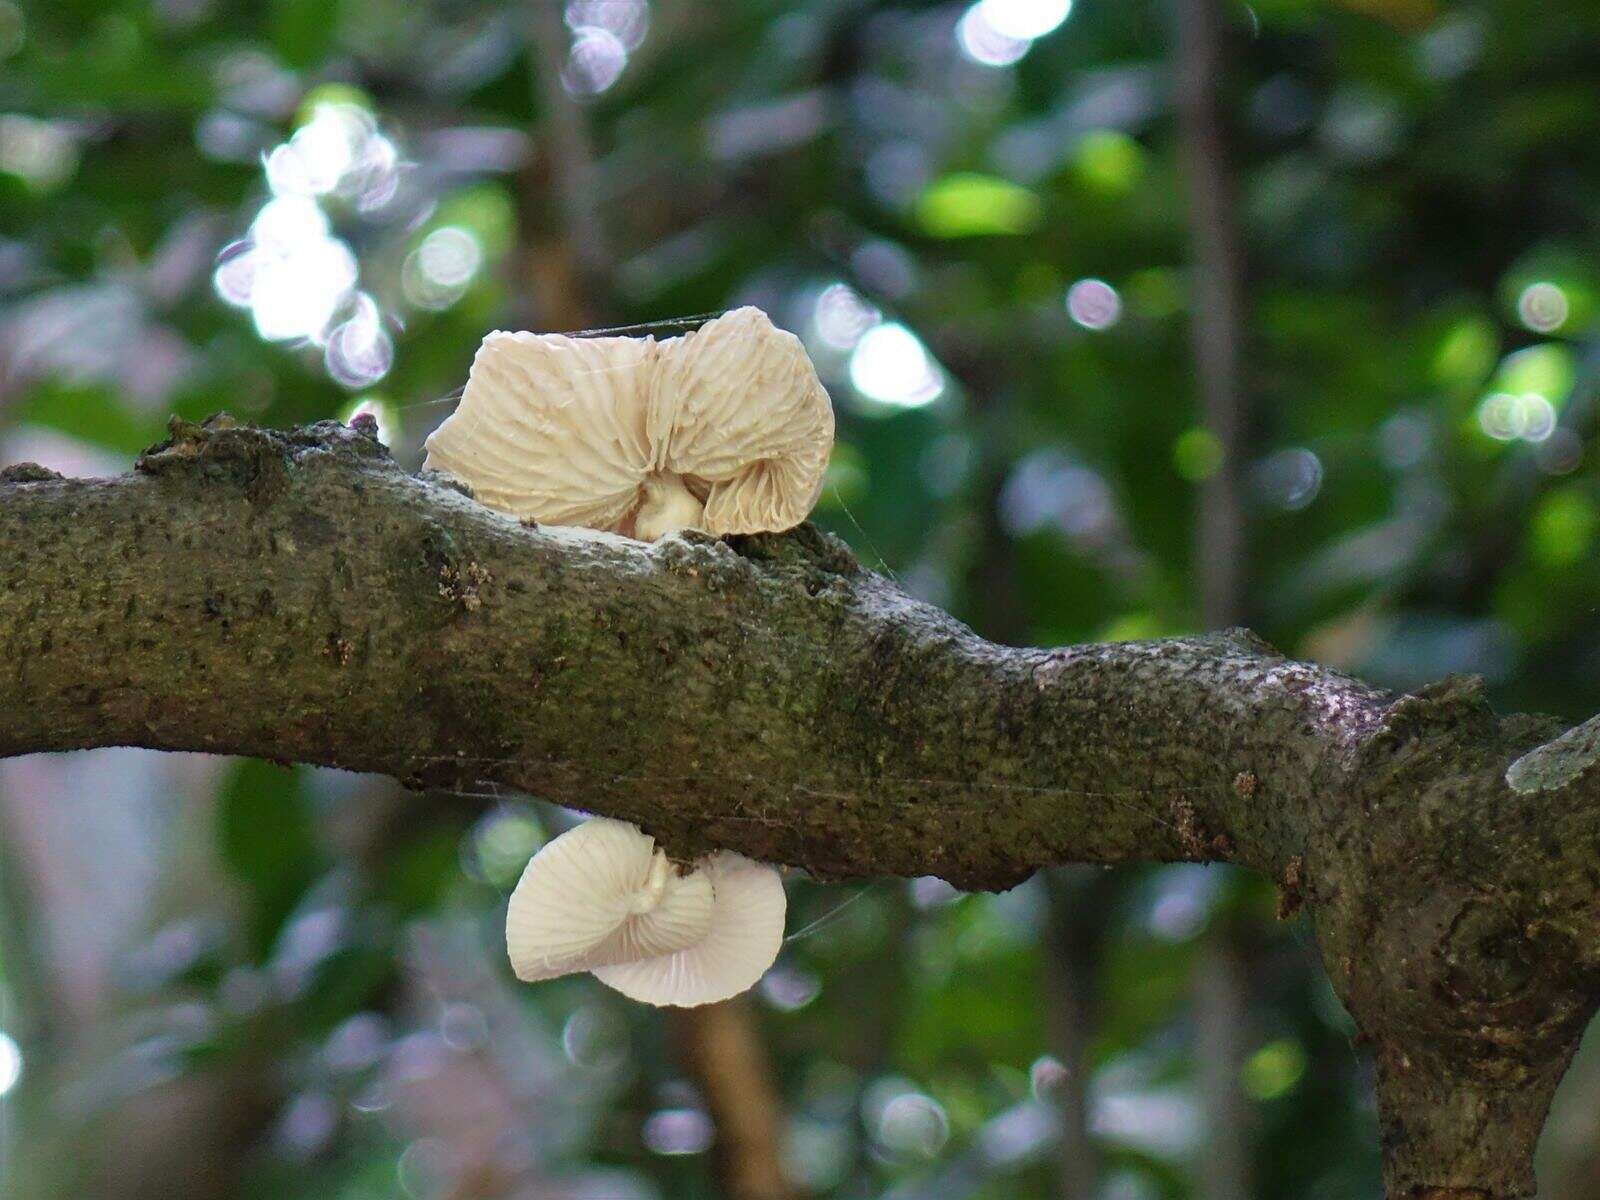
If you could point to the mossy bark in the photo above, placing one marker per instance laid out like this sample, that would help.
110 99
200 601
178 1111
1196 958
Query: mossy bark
297 596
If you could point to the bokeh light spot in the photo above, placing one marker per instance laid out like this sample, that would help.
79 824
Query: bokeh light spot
10 1063
1290 479
595 1039
1466 352
1548 370
1047 1076
1197 454
502 843
626 20
674 1131
913 1125
1273 1070
891 366
43 154
968 204
1563 528
1094 304
359 350
789 989
841 316
1109 162
1028 19
595 62
1543 307
1508 416
983 43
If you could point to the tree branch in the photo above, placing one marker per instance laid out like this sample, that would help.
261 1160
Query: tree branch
297 596
300 597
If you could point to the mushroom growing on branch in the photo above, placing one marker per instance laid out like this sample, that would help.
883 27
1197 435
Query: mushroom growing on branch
602 898
726 429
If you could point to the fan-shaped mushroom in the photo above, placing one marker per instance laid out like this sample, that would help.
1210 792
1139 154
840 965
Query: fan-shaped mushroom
602 893
726 429
743 941
602 898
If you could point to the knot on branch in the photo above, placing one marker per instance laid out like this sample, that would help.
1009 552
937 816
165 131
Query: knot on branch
804 546
28 472
1421 726
1473 1010
696 554
220 448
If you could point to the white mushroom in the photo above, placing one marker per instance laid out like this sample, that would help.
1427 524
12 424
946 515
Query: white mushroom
746 933
552 427
602 898
598 894
726 429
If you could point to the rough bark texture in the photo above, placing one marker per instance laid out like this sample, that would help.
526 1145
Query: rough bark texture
297 596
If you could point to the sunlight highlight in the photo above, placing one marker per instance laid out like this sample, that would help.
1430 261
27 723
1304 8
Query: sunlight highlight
891 366
1025 19
296 277
10 1063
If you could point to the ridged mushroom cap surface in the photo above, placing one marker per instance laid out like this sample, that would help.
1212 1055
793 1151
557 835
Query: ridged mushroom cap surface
552 428
737 409
726 429
598 894
745 936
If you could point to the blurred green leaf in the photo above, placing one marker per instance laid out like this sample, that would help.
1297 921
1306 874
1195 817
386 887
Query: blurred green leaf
971 205
266 835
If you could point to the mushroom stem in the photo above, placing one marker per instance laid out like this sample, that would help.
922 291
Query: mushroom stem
655 885
668 506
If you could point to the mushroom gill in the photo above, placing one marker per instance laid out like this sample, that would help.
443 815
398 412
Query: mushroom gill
726 429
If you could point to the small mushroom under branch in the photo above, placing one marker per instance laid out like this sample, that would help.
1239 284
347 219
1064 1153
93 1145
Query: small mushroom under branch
601 897
726 429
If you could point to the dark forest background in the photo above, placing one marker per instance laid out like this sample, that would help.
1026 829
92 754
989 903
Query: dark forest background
1138 317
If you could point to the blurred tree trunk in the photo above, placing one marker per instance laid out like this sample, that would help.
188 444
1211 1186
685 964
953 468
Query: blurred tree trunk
1080 901
721 1046
1221 550
1222 1016
1216 310
571 171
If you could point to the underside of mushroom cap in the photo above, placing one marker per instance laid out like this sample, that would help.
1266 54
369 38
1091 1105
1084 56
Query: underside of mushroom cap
602 893
737 411
552 427
745 936
726 429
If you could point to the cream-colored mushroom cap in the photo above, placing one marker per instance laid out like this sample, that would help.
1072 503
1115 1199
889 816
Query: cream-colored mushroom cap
745 936
552 427
726 429
602 893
